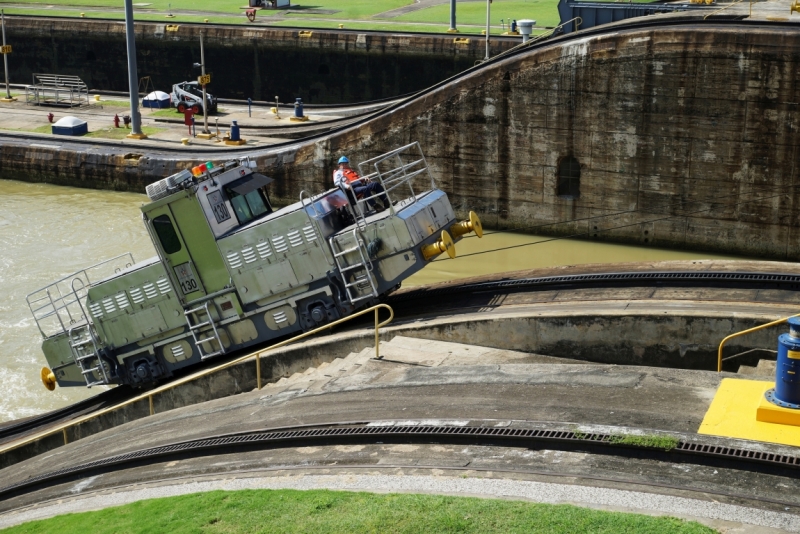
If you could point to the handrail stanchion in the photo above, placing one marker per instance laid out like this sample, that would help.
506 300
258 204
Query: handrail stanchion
258 370
743 332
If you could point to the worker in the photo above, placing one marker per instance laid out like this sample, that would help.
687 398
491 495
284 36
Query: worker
346 178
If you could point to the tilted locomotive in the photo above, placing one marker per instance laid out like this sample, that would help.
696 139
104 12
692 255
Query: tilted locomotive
232 272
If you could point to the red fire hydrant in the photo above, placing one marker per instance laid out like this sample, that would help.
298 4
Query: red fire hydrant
116 120
50 117
188 118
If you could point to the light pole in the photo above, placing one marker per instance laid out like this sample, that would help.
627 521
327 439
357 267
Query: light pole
133 84
452 17
6 50
203 84
488 11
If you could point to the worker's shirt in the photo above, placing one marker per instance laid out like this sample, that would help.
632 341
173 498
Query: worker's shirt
345 178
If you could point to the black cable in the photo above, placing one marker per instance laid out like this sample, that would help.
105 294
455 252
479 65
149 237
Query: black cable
639 211
617 227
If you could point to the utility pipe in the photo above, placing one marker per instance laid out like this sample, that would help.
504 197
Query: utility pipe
133 84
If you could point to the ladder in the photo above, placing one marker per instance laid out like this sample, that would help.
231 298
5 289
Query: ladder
361 269
83 344
195 328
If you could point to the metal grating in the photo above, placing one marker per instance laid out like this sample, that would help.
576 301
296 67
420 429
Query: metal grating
234 260
279 243
249 255
264 250
163 286
294 238
150 290
377 432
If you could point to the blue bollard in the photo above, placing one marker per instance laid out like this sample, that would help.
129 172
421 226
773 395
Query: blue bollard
194 133
235 131
249 107
298 108
787 369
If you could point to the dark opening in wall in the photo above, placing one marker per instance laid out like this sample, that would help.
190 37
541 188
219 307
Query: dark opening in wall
323 69
569 178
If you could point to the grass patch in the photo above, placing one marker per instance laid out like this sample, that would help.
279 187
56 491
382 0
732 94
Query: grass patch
289 511
170 113
120 133
379 26
544 12
666 443
112 103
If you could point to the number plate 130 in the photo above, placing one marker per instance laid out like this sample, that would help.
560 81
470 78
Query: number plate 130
186 278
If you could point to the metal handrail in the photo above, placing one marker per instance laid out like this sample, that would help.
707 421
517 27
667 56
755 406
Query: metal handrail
730 5
206 372
743 332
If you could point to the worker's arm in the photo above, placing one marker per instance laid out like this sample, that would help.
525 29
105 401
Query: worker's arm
339 180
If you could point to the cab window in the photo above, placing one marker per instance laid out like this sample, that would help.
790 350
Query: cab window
167 235
248 206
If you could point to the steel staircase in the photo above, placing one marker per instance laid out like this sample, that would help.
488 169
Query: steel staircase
361 269
195 328
84 346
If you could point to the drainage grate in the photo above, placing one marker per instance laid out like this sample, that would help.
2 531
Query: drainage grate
378 432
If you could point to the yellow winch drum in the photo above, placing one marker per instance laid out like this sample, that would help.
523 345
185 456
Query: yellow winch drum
48 378
473 224
445 244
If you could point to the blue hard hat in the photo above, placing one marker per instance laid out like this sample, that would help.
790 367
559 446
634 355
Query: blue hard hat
344 159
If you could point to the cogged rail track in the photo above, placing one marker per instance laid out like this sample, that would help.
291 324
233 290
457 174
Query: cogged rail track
478 432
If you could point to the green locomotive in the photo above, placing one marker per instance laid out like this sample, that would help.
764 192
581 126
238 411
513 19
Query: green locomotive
232 272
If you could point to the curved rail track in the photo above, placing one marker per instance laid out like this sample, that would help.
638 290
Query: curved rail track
480 433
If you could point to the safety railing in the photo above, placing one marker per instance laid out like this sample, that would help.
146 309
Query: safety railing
58 305
207 372
399 173
748 331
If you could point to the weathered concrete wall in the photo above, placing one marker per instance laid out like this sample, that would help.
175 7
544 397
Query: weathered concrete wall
246 61
685 139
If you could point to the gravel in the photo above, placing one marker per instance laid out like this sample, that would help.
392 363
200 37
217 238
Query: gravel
703 510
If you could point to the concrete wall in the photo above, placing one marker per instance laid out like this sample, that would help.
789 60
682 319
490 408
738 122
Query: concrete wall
685 139
688 138
658 340
245 61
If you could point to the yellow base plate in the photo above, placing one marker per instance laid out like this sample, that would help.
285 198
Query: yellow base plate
732 414
235 143
12 99
136 136
206 136
298 119
770 413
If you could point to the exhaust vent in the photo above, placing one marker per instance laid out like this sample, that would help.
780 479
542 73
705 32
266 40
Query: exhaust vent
168 185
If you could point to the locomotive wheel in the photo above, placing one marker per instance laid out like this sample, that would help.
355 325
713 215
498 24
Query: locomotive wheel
181 108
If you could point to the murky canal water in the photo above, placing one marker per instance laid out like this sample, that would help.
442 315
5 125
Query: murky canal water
47 232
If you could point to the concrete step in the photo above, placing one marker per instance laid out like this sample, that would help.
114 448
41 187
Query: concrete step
767 366
746 370
764 368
